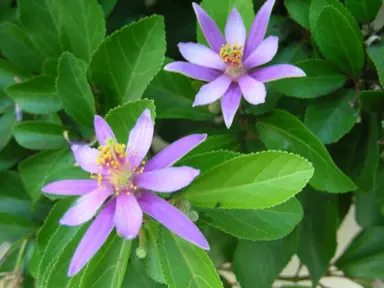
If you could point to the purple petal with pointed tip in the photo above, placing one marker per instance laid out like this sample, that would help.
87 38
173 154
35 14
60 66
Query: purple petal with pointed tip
210 30
70 187
167 180
174 152
230 103
201 55
172 218
263 53
192 70
253 91
86 207
86 158
103 131
212 91
140 139
259 27
235 32
276 72
128 217
93 239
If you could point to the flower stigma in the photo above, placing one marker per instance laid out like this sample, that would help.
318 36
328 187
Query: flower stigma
232 56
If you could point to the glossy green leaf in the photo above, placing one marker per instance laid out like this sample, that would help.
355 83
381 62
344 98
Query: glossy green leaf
8 74
39 135
174 95
322 78
372 101
299 11
376 53
14 227
36 96
331 117
318 246
185 264
17 47
338 42
128 60
282 130
36 169
74 91
268 258
7 122
291 54
136 276
217 142
41 20
11 154
253 181
365 11
265 224
124 117
107 6
365 255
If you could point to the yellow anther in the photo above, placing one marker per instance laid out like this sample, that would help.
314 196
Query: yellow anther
232 55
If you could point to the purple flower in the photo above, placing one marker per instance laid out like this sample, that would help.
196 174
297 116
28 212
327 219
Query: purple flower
229 65
122 180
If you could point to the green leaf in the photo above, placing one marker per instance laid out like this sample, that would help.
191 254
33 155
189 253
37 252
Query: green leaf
38 135
282 130
253 181
299 11
50 67
107 6
280 26
41 20
322 78
372 101
318 246
8 72
207 161
14 227
337 41
174 95
217 142
128 60
7 122
365 255
266 224
376 54
136 276
331 117
184 264
123 118
219 11
270 103
17 47
11 154
36 169
267 258
291 54
83 24
73 89
365 11
36 96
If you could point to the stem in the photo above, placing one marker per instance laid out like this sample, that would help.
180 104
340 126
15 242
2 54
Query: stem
298 270
20 255
357 88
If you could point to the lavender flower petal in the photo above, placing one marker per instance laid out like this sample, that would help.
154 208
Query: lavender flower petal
174 152
172 218
235 32
201 55
86 207
70 187
253 91
86 158
210 30
230 103
259 27
194 71
276 72
103 131
167 180
263 53
140 139
128 216
93 239
212 91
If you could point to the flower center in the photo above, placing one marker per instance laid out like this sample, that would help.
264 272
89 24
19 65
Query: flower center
232 56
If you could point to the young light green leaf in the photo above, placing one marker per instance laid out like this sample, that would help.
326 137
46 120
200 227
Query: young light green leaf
282 130
253 181
73 89
185 264
124 117
376 53
372 101
322 78
37 95
7 122
365 11
265 224
39 135
83 25
127 60
299 11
